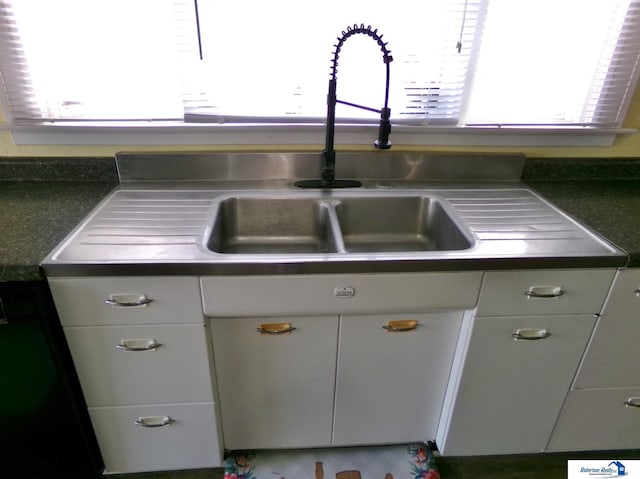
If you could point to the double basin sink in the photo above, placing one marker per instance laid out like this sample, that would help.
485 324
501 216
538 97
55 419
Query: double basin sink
323 223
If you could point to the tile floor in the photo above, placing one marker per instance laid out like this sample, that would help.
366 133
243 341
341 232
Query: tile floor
528 466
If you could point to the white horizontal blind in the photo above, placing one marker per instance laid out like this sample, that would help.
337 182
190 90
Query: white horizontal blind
92 60
556 62
270 61
522 62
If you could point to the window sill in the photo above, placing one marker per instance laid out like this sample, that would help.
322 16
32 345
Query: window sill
177 133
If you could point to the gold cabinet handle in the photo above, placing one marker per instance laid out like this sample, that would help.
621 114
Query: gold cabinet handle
275 328
400 325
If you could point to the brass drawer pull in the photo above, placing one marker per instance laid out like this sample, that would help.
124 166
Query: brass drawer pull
400 325
275 328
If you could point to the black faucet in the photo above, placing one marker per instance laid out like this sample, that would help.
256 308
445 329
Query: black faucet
328 174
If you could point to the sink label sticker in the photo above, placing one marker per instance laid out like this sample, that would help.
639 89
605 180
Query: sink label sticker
344 292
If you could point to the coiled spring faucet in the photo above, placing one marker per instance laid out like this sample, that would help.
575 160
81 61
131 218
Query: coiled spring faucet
328 179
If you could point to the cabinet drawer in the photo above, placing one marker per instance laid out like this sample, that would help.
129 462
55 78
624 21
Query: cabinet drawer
544 292
336 294
177 371
81 301
593 419
190 441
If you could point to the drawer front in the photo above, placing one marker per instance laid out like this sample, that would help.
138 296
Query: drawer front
81 301
338 294
598 419
576 291
189 441
154 364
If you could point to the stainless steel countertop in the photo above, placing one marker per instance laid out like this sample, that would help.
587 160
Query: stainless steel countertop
513 228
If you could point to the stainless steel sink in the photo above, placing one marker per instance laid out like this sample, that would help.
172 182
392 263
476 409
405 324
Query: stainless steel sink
256 225
414 223
311 223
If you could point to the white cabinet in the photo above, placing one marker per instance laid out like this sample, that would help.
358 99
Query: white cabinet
141 350
517 357
602 410
338 378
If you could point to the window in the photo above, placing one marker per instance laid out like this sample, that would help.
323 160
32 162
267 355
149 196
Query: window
459 63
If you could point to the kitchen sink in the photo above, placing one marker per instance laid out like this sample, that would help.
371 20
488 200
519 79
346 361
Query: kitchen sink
255 225
414 223
310 223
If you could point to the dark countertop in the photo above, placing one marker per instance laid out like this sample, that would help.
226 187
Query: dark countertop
35 216
41 201
602 194
37 210
609 207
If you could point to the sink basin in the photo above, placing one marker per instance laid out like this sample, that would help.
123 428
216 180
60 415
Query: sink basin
313 223
257 225
394 224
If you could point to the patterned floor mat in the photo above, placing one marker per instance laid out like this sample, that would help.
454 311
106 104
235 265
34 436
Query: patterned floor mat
413 461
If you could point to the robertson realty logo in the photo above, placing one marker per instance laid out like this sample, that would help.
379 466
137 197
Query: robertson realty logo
603 469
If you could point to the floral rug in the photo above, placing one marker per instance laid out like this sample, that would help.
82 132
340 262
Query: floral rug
413 461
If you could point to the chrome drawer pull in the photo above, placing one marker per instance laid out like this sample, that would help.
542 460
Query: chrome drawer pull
530 334
632 402
128 300
401 325
544 292
154 421
138 345
275 328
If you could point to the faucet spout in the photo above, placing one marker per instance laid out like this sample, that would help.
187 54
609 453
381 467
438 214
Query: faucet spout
327 177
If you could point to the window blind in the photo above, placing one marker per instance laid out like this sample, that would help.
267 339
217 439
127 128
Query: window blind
92 61
550 62
271 62
519 63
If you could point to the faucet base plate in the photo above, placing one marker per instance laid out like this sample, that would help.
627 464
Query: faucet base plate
324 184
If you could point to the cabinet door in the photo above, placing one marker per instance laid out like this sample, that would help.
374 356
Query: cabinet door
391 384
613 355
276 390
598 419
510 392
